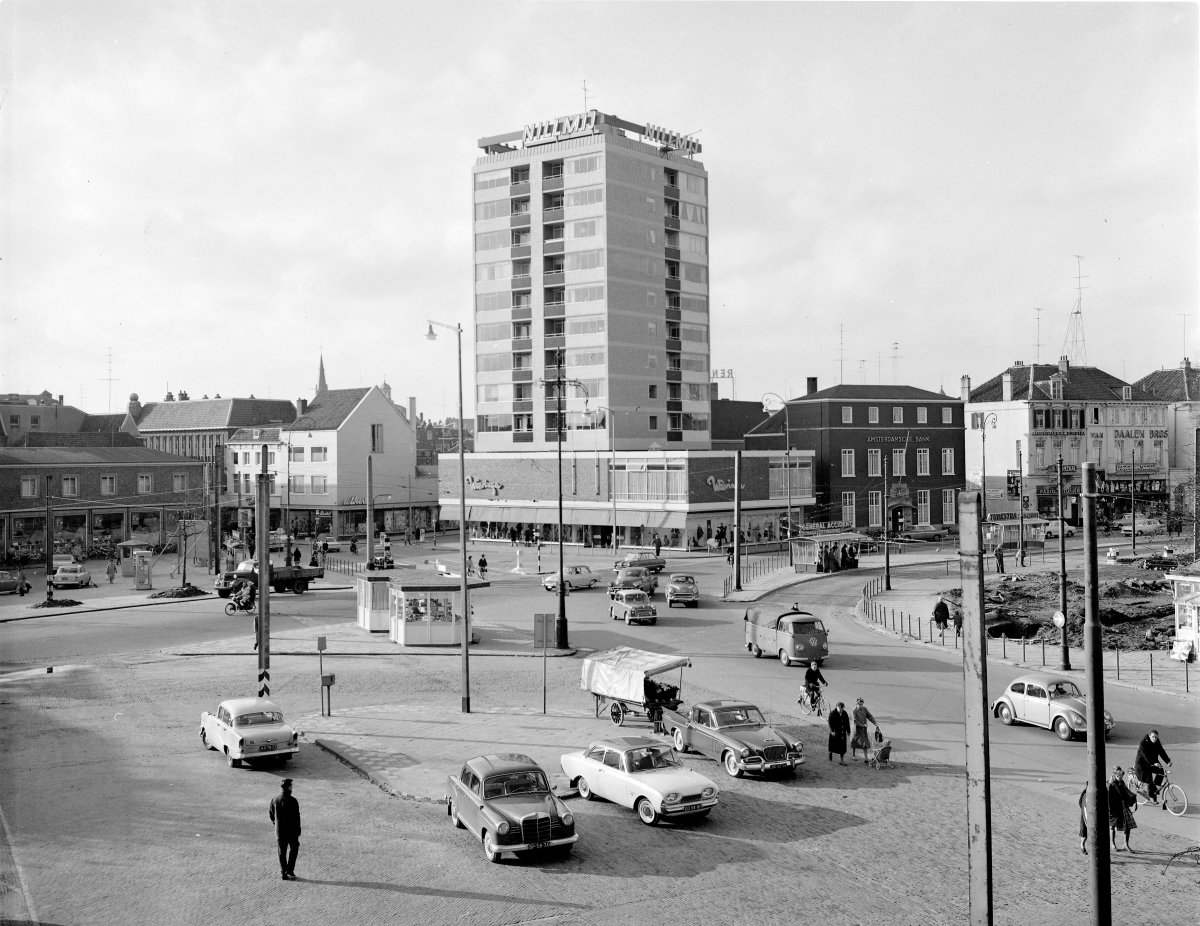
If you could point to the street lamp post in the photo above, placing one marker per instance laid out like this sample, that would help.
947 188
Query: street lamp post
1065 659
983 423
462 519
787 459
1132 499
612 466
287 508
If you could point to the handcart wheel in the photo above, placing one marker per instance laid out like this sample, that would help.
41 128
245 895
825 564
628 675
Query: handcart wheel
616 712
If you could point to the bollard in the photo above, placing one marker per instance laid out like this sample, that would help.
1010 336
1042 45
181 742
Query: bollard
1118 665
1152 668
1043 654
1004 647
1186 677
1023 642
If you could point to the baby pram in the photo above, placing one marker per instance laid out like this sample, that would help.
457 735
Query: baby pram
881 754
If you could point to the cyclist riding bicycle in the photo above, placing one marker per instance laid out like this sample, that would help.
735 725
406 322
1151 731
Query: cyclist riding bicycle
813 680
1147 768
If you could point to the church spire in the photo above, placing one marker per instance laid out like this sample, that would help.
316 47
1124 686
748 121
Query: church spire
321 387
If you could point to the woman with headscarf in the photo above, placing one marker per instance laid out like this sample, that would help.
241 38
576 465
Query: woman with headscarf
861 739
1120 808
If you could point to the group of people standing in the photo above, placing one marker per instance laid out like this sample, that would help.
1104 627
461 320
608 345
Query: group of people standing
1148 769
839 731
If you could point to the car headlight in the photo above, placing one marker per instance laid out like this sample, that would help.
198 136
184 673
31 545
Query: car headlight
242 743
502 828
745 753
708 792
671 797
568 820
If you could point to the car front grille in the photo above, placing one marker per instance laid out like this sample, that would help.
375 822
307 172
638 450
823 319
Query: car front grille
774 753
536 828
691 798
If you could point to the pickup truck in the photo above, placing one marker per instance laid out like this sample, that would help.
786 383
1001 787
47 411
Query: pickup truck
655 564
281 578
733 733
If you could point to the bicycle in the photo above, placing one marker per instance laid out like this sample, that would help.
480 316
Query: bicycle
812 703
1172 797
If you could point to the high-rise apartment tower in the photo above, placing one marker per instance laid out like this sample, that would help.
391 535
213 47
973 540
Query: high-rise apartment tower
591 251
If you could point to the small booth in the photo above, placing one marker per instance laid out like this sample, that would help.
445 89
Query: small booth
372 602
814 552
126 550
1186 591
1006 532
143 566
426 610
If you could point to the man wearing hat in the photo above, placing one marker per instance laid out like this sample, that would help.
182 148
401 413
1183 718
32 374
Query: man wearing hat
285 814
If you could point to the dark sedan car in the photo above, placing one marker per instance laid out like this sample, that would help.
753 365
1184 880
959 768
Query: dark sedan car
8 582
506 803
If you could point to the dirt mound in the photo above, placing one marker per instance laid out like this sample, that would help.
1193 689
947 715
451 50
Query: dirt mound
1136 609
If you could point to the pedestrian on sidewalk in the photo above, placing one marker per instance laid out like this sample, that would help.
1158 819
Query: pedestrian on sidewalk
22 583
285 814
1120 808
1083 819
861 739
999 561
957 623
839 730
941 616
111 570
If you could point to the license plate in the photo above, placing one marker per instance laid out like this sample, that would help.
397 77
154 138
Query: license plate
538 845
265 748
687 808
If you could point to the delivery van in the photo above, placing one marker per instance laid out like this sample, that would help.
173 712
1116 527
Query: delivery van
794 636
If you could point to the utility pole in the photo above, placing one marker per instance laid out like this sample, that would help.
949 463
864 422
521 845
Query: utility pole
262 545
1099 875
887 517
49 541
1020 506
978 745
1065 660
737 520
560 623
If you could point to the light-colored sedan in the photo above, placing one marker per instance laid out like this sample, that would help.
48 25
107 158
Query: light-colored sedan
577 577
8 582
683 589
248 730
72 576
642 774
1044 700
1143 526
633 606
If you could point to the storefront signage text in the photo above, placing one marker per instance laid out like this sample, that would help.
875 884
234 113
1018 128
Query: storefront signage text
1138 433
718 484
485 485
897 439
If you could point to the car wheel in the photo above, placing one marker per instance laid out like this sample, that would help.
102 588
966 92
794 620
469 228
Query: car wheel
1005 714
646 812
756 650
785 658
591 584
204 739
729 760
233 763
1063 729
653 621
490 852
564 852
677 740
585 789
458 824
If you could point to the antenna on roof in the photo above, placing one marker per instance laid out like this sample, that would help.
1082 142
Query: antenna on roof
895 361
1075 344
841 354
109 379
585 98
1037 345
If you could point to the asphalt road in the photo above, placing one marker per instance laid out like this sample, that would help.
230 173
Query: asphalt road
118 816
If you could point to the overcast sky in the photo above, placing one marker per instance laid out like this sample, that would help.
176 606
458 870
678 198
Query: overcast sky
213 194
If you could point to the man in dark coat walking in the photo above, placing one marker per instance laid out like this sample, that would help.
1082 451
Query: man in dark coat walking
285 814
839 730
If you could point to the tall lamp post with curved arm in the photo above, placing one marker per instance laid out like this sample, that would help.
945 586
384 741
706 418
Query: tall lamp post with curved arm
787 458
981 420
287 510
431 335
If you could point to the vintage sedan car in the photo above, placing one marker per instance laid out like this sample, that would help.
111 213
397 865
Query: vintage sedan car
633 606
634 577
1052 531
641 774
577 577
1143 526
683 589
654 563
1045 700
8 582
925 532
249 730
734 733
72 576
505 801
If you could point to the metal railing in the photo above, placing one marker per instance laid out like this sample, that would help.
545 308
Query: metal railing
1138 665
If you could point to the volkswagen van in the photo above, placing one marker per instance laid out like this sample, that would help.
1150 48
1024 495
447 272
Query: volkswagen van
794 636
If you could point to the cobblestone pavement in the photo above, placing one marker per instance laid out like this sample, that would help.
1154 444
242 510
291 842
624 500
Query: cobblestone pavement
190 843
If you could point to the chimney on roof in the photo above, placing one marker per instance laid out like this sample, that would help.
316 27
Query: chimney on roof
811 385
965 388
412 410
1018 363
1186 365
60 400
386 389
169 397
1064 365
134 407
301 406
1006 384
